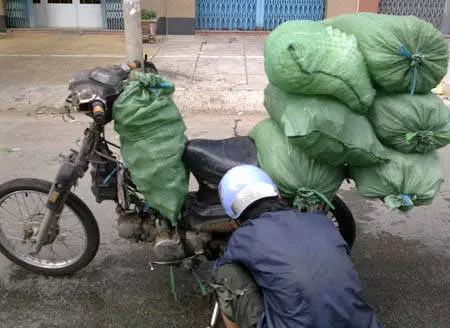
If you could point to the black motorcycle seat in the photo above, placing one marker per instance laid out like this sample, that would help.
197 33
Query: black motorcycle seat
209 160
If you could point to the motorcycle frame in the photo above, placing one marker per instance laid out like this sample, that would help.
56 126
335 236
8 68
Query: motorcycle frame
74 168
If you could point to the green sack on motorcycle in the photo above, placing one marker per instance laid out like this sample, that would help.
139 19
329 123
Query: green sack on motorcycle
306 57
402 53
411 123
408 180
298 176
152 137
324 128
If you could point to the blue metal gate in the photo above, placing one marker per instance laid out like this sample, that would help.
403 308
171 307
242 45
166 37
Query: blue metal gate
254 14
279 11
17 13
226 14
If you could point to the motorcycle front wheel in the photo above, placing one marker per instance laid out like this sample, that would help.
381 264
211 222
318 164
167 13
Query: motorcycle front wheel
70 245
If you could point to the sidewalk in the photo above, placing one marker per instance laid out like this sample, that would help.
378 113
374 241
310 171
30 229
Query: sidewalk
215 73
212 73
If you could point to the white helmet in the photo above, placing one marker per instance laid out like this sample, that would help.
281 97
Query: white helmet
242 186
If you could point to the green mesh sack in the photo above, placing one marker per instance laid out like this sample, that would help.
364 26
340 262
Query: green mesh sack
402 53
298 176
411 123
152 137
324 128
408 180
305 57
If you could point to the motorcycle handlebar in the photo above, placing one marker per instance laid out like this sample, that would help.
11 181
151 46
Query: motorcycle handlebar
134 64
98 107
98 112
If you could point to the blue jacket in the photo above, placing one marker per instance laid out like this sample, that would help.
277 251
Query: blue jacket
304 269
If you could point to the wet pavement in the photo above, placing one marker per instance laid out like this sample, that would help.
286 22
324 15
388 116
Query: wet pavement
403 259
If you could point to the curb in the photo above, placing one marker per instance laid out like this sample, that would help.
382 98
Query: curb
120 32
231 32
59 30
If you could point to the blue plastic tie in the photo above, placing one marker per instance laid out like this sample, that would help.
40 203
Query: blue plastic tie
407 200
111 174
413 87
406 53
164 84
146 206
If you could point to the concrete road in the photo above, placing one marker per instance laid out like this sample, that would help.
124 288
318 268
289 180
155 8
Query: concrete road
403 259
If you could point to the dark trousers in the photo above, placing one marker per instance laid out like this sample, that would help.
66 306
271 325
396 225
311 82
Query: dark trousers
239 297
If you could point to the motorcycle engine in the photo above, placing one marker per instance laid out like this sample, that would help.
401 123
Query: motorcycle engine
169 245
132 226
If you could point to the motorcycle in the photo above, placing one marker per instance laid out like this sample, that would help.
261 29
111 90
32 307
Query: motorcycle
46 228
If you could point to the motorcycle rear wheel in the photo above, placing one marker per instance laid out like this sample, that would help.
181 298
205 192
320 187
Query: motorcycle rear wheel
32 216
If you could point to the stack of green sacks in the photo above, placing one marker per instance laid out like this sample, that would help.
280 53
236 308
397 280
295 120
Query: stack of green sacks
406 57
355 91
413 127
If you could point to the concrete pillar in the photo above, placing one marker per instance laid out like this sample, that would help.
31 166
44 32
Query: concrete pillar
133 29
31 16
445 28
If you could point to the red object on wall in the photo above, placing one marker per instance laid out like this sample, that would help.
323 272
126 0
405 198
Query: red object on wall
368 6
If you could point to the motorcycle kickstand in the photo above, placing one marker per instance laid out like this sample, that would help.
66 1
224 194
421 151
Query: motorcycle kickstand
214 316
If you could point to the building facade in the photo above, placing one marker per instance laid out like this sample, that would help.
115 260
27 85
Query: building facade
187 16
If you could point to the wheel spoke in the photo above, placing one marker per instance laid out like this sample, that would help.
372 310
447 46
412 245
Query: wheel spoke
38 209
18 205
23 211
69 250
53 252
71 227
10 212
43 203
9 230
26 206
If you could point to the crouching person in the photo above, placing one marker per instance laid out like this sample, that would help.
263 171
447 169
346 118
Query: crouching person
283 268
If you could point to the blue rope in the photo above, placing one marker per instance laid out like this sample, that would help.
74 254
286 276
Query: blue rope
414 82
406 53
111 174
164 85
407 200
160 85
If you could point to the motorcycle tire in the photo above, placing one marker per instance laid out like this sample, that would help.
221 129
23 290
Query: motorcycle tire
345 220
78 207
